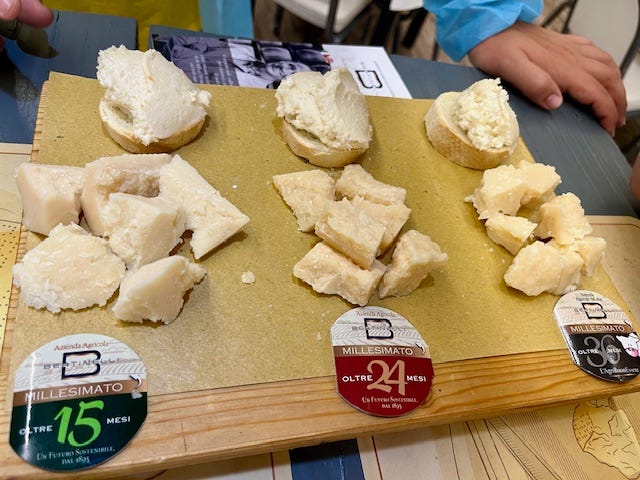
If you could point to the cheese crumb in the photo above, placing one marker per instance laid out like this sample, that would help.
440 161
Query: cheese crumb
248 277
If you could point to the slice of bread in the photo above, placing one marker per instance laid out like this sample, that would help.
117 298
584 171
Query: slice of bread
149 104
451 141
120 130
307 146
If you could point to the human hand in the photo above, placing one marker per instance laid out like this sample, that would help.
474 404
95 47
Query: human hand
543 64
30 12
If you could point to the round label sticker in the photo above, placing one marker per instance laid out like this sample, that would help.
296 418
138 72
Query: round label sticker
383 366
599 335
77 402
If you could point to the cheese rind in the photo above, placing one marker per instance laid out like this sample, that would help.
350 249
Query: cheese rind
140 229
350 231
50 195
212 218
329 272
70 269
306 193
156 290
128 173
356 181
414 256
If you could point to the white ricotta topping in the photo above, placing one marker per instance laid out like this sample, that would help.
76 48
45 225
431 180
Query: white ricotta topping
482 111
329 106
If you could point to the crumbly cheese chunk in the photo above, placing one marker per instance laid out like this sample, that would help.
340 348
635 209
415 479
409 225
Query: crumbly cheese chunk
306 193
50 195
356 181
500 191
509 231
482 111
414 256
393 217
350 231
162 100
212 218
140 229
70 269
329 272
129 173
329 106
563 219
535 269
156 290
591 250
542 267
540 181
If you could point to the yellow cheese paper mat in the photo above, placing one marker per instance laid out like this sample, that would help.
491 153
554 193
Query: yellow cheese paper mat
231 333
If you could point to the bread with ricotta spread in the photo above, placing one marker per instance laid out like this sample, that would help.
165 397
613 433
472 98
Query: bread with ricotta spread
325 117
149 104
475 128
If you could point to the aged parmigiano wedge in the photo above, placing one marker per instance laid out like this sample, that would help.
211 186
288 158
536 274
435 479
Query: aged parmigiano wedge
414 256
70 269
591 249
156 290
128 173
509 231
392 216
500 191
329 272
540 181
212 218
356 181
563 219
306 193
349 230
50 195
140 229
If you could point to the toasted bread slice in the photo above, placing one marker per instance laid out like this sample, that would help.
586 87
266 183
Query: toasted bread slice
307 146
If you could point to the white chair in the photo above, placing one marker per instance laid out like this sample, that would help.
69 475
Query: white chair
336 18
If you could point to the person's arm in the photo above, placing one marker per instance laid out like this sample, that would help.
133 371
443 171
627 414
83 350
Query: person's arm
541 63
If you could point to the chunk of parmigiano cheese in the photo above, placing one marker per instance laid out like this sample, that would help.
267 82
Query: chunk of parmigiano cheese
156 290
541 267
393 217
500 191
140 229
563 219
69 269
350 231
129 173
509 231
356 181
212 218
414 256
540 180
591 249
306 193
50 195
329 272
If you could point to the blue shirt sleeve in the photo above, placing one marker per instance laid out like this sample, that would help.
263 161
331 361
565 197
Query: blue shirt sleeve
462 24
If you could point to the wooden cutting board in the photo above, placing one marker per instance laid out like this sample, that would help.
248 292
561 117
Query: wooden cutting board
253 366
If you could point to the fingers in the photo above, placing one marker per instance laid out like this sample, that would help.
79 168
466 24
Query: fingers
9 9
543 64
34 13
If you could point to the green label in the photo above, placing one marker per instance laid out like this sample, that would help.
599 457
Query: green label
77 402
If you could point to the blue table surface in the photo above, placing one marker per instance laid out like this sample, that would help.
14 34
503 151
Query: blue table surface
569 138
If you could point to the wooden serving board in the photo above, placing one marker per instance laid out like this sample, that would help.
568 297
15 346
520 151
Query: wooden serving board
281 393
